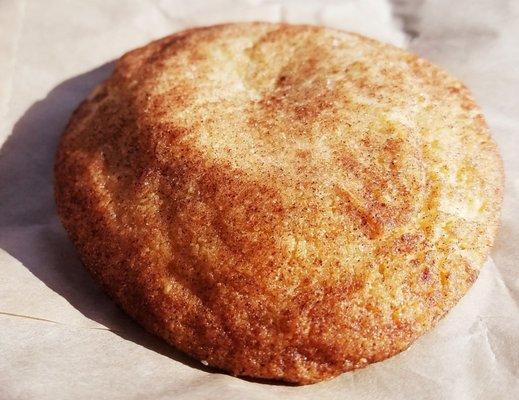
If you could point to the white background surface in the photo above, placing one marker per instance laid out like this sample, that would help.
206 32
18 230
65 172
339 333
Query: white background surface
61 338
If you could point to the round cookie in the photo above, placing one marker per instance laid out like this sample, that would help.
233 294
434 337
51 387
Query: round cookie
281 201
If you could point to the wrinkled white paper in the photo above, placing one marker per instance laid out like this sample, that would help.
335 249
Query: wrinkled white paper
62 338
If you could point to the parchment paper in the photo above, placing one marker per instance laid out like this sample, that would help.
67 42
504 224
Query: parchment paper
60 336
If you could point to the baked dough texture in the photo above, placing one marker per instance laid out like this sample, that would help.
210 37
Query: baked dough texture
280 201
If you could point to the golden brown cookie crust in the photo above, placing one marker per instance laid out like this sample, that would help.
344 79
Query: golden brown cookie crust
286 202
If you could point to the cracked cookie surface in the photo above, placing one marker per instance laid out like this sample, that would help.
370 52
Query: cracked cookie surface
281 201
